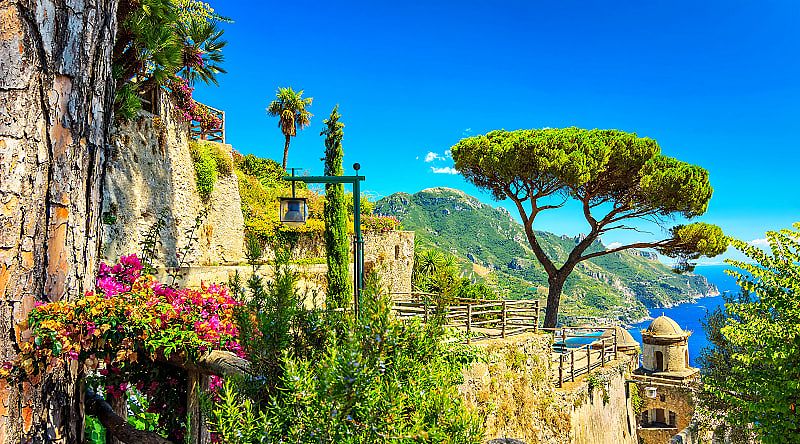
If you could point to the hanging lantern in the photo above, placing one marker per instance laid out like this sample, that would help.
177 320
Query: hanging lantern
294 211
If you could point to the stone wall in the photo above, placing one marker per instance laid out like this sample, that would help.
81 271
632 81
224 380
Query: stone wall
151 175
677 398
514 394
390 254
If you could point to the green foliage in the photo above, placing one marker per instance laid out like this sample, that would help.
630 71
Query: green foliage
290 108
440 273
367 206
332 378
754 366
695 240
147 51
236 418
127 102
378 223
637 402
95 433
209 161
139 414
336 241
202 50
157 39
268 172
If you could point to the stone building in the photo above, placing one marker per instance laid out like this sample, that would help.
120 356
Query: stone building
666 381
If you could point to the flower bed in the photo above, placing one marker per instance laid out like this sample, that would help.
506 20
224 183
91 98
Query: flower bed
124 332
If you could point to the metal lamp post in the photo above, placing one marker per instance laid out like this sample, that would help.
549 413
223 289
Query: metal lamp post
292 209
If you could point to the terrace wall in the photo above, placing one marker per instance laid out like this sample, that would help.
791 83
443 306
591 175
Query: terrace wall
150 172
514 393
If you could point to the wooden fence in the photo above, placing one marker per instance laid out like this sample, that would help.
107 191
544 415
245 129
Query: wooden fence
480 318
570 362
213 135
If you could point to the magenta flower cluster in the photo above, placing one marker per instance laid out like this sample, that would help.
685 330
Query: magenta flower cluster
118 279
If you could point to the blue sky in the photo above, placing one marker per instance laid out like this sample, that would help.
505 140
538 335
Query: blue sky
714 82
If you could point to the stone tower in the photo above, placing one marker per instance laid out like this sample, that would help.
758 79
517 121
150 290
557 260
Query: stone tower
665 350
666 382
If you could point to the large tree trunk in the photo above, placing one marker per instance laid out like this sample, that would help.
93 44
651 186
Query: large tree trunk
56 100
556 287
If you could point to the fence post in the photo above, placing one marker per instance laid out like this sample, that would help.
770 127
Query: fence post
425 304
588 359
536 320
572 365
603 352
504 317
560 370
469 322
615 345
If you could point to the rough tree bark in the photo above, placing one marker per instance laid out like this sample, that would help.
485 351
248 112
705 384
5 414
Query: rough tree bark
56 100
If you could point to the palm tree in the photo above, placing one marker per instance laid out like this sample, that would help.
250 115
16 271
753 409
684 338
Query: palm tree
290 107
202 50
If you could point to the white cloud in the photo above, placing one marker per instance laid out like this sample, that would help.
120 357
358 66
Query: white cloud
467 132
613 245
759 243
448 154
445 170
431 156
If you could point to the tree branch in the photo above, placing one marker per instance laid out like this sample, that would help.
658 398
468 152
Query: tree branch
527 224
216 362
661 243
116 425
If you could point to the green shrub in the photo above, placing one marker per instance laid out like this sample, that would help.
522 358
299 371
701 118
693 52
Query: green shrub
205 169
222 158
379 223
329 377
268 172
210 160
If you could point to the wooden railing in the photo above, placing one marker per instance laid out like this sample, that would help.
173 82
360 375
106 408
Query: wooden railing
571 362
480 318
213 135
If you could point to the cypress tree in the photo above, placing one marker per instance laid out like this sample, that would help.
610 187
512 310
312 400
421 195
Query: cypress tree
336 241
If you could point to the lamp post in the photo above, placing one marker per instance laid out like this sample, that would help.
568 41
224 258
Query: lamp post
294 211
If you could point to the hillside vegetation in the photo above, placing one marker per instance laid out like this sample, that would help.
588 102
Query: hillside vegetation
492 245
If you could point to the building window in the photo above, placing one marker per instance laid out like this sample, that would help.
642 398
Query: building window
659 362
397 252
662 397
660 416
645 418
672 418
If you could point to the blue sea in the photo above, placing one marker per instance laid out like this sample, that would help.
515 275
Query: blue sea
690 315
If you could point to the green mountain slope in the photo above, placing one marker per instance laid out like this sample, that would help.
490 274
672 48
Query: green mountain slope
619 286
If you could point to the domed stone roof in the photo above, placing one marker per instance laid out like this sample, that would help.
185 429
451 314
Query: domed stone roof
663 326
624 339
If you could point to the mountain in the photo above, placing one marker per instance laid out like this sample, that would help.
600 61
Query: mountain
493 246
